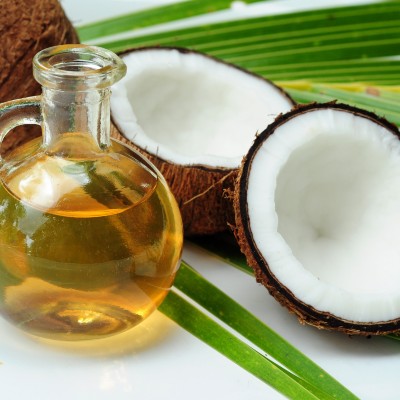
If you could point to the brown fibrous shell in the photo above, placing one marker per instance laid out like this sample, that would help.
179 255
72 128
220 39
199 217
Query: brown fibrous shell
199 191
26 27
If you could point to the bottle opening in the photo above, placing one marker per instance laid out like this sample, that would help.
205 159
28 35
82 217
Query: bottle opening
70 63
77 67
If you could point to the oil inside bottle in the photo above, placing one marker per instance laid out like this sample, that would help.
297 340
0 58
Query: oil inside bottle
90 240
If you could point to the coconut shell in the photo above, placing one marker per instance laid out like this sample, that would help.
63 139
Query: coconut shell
26 27
305 313
204 193
207 211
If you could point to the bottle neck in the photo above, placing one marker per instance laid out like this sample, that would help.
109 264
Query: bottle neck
84 112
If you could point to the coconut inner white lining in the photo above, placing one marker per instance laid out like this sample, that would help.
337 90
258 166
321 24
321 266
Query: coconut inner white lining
324 205
190 109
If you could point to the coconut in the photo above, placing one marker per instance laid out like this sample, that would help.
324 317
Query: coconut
194 117
318 217
26 27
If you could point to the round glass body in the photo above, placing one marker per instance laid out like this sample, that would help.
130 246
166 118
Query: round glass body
89 246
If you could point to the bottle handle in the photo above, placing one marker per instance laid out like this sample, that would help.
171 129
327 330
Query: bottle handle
26 111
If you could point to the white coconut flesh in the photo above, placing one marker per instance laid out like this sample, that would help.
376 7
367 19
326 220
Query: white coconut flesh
324 209
191 109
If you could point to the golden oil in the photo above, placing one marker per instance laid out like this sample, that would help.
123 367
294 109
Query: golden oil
90 240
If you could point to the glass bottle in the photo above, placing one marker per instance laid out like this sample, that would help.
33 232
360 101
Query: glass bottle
90 235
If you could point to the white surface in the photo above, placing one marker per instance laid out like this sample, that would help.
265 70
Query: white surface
155 360
368 367
158 360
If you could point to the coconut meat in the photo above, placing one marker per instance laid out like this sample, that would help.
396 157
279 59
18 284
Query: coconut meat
190 109
324 210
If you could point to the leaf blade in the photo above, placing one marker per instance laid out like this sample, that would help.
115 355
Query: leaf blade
337 47
234 315
178 309
152 16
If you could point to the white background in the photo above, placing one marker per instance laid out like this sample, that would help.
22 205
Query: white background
159 360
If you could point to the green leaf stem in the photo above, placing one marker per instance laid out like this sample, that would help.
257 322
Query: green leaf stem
282 366
382 106
234 315
204 328
346 44
152 16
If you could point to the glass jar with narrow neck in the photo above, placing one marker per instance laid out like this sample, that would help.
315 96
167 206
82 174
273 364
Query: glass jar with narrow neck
90 235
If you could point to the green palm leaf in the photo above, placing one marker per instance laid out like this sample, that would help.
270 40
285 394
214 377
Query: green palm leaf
153 16
328 45
231 313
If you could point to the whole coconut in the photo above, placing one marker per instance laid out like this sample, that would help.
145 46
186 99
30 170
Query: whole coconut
26 27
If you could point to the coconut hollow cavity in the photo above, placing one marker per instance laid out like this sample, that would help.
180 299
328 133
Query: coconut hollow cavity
318 217
194 117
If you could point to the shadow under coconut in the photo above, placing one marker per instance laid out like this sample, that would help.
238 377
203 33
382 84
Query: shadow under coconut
360 346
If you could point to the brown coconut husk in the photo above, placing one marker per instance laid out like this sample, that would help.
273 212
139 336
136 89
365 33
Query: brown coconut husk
204 193
305 313
211 186
26 27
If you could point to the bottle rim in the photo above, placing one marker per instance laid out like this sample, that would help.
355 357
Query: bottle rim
77 67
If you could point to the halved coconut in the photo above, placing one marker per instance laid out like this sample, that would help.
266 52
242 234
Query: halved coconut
194 117
318 217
